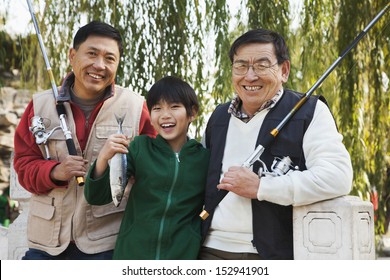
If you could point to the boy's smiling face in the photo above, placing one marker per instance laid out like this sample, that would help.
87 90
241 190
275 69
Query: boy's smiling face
171 121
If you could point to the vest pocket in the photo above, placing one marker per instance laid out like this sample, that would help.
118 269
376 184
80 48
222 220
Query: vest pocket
102 132
104 221
44 221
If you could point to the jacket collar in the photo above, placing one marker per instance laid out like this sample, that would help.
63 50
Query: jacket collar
64 92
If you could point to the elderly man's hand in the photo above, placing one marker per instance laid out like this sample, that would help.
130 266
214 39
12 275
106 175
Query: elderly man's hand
240 180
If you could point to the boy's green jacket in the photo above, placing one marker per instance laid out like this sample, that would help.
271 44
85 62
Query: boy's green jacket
161 219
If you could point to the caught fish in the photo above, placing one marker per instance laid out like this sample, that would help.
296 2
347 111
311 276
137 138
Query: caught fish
118 168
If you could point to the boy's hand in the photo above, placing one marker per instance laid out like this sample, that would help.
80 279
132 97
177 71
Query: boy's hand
116 143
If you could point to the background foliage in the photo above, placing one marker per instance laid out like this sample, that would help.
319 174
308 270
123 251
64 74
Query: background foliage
191 39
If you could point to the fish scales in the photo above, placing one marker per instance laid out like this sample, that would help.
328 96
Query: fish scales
118 169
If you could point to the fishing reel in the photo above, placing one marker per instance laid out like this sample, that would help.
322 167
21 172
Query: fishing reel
38 129
279 167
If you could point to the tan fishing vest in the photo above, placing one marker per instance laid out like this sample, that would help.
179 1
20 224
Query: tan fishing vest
63 215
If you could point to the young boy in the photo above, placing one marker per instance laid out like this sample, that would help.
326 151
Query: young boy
161 218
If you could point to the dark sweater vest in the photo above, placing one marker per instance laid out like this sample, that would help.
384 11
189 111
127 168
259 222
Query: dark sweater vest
272 223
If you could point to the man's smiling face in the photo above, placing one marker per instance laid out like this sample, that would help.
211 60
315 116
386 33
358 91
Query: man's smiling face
94 64
254 89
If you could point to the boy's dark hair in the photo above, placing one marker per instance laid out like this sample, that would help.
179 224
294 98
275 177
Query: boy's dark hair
173 90
99 29
262 36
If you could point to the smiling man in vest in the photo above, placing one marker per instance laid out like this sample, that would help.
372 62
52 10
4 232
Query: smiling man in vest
254 220
61 224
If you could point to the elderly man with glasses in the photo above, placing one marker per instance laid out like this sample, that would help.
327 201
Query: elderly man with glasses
254 220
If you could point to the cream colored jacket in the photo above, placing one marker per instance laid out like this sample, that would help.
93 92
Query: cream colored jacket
63 215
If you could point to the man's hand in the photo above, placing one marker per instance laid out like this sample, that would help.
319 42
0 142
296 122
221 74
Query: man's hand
240 180
71 166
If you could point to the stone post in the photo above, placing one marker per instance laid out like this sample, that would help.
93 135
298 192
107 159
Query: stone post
337 229
3 243
17 233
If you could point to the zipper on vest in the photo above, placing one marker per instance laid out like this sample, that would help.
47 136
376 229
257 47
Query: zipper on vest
167 205
87 131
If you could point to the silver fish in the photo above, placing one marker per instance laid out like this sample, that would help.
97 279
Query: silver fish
118 168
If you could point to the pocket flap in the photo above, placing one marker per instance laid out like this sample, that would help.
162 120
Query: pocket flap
103 131
107 209
42 210
41 206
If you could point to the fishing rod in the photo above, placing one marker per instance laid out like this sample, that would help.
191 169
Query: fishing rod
267 141
59 104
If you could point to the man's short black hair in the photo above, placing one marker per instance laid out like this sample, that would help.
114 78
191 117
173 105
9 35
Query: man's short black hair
99 29
262 36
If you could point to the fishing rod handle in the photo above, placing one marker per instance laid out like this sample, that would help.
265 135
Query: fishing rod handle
207 210
68 137
73 152
255 156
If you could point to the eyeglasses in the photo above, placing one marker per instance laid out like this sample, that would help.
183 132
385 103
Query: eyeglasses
241 68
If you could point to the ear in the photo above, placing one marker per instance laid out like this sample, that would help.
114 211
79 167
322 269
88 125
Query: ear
285 71
194 114
72 53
